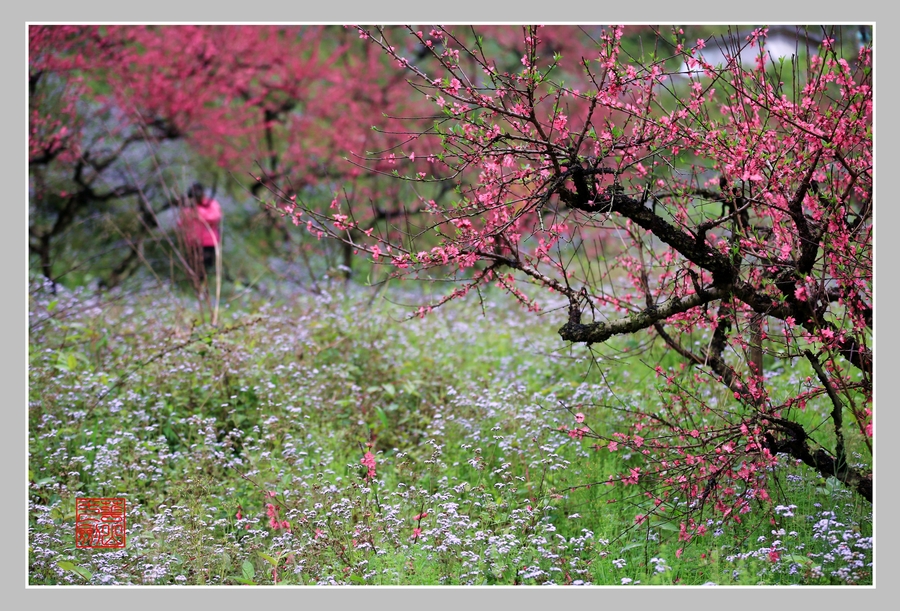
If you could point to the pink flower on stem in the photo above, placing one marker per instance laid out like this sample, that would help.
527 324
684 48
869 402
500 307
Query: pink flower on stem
577 433
559 123
368 461
579 417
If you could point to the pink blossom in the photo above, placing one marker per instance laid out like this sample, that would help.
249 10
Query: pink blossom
559 123
368 461
578 433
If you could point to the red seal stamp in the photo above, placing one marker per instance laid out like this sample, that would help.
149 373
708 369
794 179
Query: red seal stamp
99 523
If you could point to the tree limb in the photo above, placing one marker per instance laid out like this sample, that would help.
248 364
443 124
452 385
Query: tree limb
599 332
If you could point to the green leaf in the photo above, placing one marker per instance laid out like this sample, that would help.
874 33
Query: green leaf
248 570
268 559
670 526
78 570
382 417
797 558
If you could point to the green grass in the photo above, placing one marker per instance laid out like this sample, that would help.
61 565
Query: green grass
131 396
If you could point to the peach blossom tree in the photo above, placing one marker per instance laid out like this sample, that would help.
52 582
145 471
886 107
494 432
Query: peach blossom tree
723 209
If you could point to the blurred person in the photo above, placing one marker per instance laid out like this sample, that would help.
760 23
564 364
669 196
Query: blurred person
200 224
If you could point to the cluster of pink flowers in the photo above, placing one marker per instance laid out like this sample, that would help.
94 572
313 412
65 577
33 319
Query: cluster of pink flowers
272 514
579 433
274 522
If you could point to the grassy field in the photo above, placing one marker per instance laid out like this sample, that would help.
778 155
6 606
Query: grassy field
239 450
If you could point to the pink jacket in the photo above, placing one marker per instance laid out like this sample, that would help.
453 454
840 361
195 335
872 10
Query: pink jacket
200 223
